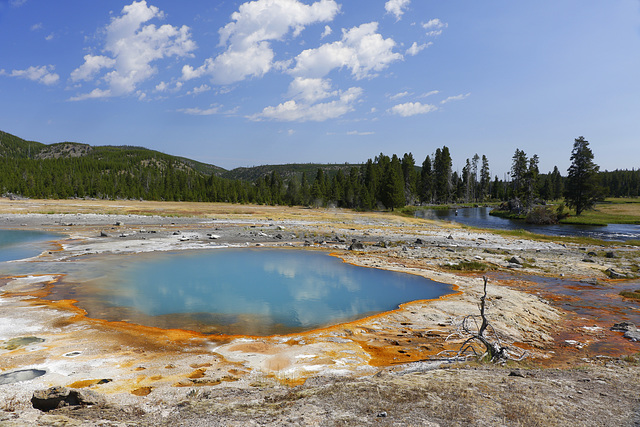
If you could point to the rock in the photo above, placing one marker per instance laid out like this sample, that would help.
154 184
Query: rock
591 281
624 327
610 254
419 242
103 234
356 246
119 223
281 228
382 415
592 253
278 236
614 274
214 236
587 260
58 397
516 260
632 335
450 237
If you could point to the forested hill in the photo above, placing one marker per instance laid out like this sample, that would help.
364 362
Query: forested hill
12 146
287 171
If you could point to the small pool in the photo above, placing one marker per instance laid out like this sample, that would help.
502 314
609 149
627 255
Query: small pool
20 244
246 291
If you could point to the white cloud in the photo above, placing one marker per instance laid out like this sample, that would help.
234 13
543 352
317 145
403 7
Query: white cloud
292 111
412 108
355 132
49 37
455 98
132 48
17 3
200 89
361 49
92 65
43 74
398 95
36 27
310 90
247 38
396 7
213 109
327 31
430 93
96 93
416 48
434 27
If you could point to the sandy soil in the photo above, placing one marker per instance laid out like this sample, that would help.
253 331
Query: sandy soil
387 369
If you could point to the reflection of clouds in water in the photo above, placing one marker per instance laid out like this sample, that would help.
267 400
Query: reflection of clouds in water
287 271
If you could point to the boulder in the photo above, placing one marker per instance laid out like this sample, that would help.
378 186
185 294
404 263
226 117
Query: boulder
614 274
58 397
356 246
516 260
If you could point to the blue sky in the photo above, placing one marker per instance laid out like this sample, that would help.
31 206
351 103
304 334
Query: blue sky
290 81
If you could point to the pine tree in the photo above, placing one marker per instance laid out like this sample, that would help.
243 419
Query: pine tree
582 191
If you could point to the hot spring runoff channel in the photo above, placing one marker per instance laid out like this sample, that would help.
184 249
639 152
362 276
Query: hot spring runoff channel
246 291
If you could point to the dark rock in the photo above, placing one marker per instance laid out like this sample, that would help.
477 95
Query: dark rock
356 246
588 260
516 260
103 234
450 237
624 327
610 255
307 243
382 415
516 374
58 397
591 281
592 253
614 274
419 242
119 223
278 236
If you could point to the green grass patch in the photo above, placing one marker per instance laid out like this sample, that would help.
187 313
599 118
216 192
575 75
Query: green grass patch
470 266
631 294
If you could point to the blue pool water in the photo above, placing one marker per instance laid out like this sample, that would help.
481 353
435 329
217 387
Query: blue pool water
20 244
249 291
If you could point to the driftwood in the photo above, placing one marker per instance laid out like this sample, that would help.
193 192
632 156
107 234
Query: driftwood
482 340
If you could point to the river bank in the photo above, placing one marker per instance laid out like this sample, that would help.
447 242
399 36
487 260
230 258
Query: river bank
159 376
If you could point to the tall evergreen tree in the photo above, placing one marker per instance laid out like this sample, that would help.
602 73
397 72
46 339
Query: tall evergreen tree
426 181
582 191
442 175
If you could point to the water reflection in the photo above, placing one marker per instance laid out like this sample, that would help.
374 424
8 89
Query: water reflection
256 292
479 217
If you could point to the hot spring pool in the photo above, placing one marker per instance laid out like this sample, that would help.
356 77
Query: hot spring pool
245 291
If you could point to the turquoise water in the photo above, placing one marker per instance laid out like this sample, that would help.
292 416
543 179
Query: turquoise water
20 244
248 291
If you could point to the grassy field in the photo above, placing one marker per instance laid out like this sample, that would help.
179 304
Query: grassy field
611 211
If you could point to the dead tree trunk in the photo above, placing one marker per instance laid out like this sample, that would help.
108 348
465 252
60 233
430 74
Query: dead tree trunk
493 350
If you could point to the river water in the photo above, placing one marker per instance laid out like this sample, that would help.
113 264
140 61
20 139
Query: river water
479 217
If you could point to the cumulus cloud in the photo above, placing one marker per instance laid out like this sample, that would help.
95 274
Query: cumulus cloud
455 98
300 111
131 48
43 74
248 37
361 49
92 65
327 31
434 27
417 48
412 108
396 7
310 90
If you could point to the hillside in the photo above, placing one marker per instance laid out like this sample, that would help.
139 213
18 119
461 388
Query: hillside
287 171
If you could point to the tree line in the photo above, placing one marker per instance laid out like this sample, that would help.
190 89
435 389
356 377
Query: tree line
384 182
